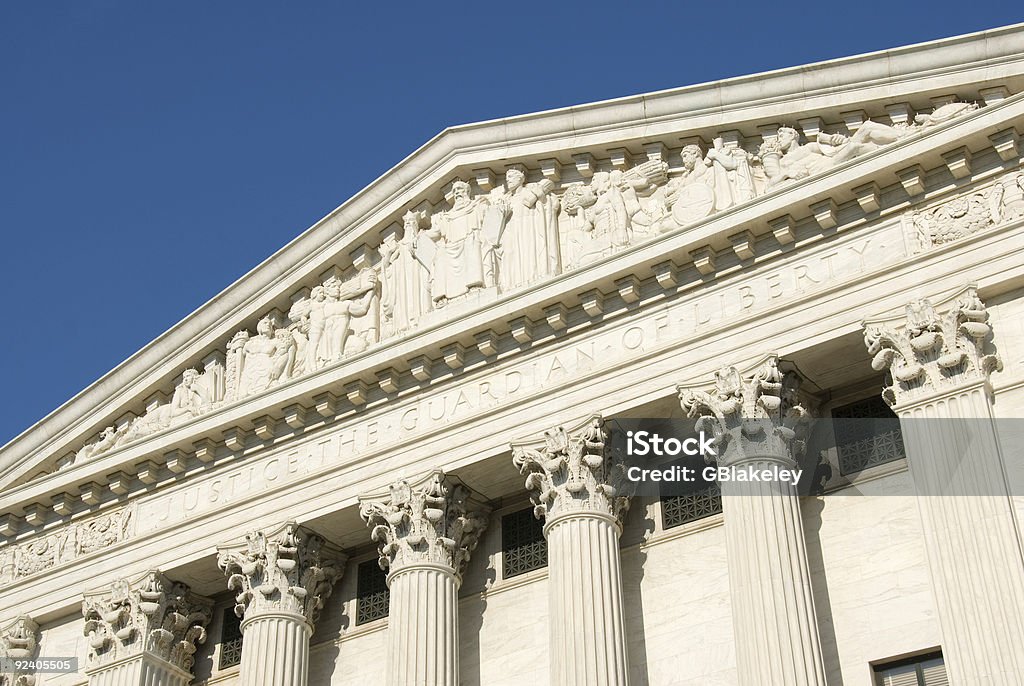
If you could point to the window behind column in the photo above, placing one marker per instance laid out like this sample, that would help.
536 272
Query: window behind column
230 639
372 594
697 501
923 670
867 434
523 546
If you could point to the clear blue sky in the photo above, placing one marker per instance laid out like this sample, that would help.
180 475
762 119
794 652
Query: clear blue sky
152 154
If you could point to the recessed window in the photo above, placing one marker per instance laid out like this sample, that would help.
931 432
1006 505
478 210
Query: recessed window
923 670
230 639
523 546
698 502
867 434
372 594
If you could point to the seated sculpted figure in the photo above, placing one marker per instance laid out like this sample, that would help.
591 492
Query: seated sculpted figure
787 159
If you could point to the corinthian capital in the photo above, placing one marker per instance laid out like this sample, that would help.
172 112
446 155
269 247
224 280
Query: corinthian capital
150 614
574 471
18 641
926 353
290 569
757 416
432 521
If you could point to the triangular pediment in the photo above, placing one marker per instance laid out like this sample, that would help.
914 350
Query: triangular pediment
493 229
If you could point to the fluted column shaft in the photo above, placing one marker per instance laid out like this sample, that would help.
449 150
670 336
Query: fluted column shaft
971 535
578 487
588 634
142 670
756 421
426 531
423 627
938 369
275 650
774 621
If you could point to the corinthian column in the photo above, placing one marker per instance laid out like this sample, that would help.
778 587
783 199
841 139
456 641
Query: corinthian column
578 490
938 374
426 531
282 578
143 632
755 422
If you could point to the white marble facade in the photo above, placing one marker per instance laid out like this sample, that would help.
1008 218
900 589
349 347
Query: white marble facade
465 353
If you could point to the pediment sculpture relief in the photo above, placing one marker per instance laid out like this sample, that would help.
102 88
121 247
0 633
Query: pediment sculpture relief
522 232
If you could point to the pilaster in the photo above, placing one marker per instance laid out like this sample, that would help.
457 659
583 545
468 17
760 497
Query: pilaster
579 489
938 360
757 424
426 531
143 631
282 578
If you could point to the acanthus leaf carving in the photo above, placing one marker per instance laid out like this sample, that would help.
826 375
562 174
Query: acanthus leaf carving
289 570
151 614
756 417
574 472
431 521
19 640
929 352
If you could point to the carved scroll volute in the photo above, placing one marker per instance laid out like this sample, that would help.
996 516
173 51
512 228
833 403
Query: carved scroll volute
574 471
755 416
151 614
434 520
926 353
290 570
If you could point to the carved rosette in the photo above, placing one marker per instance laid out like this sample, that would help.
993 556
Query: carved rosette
755 417
289 570
573 472
432 521
18 641
151 614
928 353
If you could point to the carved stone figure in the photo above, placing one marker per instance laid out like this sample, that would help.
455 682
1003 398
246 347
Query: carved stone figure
108 438
261 360
345 301
944 113
609 210
405 282
786 159
529 233
458 255
709 183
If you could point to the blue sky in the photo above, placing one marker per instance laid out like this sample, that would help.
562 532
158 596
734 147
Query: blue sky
154 154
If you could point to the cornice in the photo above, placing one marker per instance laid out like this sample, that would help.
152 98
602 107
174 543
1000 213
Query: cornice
986 58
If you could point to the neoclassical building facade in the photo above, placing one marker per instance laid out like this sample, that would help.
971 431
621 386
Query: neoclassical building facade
384 455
